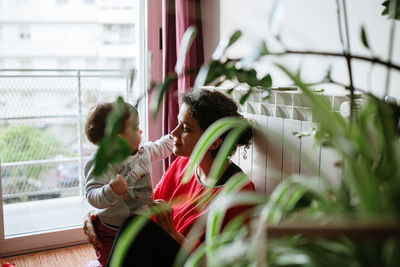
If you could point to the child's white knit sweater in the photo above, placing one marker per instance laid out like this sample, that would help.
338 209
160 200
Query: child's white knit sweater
136 169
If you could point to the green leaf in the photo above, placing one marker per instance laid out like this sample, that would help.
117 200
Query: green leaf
364 37
212 133
115 120
132 77
224 44
266 81
328 75
390 13
248 76
210 72
126 239
162 89
228 197
186 42
112 148
234 37
215 71
244 97
195 258
227 146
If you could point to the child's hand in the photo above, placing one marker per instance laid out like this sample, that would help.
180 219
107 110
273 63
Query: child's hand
119 185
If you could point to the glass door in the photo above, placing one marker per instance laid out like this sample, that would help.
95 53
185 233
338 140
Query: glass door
42 112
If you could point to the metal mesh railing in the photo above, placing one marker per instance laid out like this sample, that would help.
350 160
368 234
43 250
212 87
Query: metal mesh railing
42 114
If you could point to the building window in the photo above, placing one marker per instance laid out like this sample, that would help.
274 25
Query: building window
119 34
22 2
127 34
24 33
110 34
61 2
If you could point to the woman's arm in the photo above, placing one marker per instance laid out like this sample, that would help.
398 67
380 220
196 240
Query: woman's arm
164 217
89 231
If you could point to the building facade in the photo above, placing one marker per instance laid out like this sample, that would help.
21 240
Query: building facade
64 34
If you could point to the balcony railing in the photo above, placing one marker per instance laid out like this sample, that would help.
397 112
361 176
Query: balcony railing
42 142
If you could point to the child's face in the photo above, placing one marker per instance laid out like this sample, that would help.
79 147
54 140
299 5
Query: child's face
132 133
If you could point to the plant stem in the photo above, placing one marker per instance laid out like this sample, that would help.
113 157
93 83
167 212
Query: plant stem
333 54
348 59
339 24
393 10
347 86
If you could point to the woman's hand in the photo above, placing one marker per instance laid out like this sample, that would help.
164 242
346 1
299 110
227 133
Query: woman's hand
90 233
165 218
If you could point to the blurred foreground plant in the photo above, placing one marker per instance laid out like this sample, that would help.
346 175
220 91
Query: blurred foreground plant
367 142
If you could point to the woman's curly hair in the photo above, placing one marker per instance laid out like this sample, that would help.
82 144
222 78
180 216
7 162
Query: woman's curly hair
209 106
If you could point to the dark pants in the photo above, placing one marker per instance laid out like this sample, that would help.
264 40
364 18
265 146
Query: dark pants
106 237
151 247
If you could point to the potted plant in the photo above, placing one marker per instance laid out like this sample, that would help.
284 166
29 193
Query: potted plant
366 202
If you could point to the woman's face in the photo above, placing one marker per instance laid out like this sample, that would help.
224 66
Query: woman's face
186 134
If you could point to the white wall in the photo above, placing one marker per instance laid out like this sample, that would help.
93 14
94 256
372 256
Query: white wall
307 24
210 14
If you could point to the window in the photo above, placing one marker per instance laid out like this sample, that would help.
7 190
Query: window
119 34
24 33
42 199
22 2
61 2
127 34
110 34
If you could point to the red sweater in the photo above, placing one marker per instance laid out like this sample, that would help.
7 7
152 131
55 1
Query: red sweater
189 200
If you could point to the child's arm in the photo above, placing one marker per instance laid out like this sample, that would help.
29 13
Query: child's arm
159 149
98 190
119 185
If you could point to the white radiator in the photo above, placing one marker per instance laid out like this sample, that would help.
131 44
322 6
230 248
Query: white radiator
281 153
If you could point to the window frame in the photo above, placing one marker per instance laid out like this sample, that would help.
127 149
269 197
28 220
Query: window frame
74 235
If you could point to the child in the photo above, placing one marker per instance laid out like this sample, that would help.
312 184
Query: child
126 188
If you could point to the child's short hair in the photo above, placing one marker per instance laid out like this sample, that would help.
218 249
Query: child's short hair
96 120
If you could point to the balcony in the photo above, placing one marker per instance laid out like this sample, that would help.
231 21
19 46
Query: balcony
42 144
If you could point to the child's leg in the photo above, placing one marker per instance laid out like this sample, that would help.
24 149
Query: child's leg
106 237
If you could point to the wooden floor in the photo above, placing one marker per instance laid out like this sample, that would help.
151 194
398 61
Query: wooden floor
76 256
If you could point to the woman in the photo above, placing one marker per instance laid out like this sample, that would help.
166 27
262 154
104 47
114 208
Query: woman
157 244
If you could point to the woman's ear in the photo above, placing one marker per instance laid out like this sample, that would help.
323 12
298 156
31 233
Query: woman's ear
217 143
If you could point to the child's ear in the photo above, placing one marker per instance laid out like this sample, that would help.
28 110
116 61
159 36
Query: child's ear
217 143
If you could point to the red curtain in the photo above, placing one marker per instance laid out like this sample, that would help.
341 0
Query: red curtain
179 15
